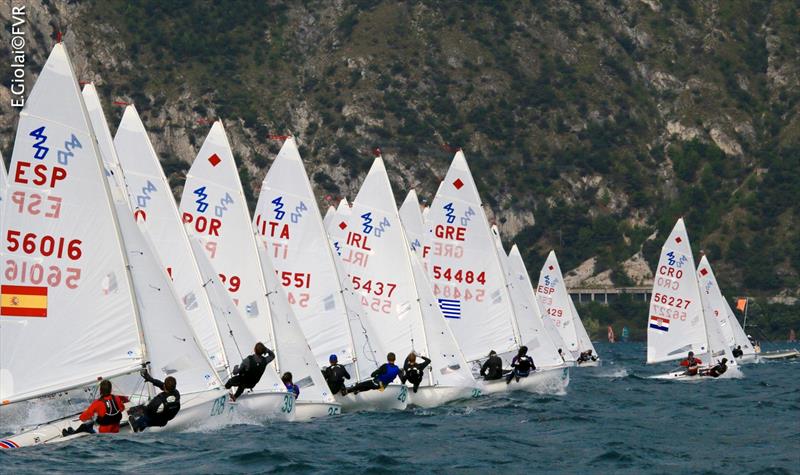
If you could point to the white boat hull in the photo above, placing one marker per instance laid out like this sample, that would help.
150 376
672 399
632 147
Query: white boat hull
779 355
307 410
394 397
200 410
732 372
433 396
546 381
262 407
589 364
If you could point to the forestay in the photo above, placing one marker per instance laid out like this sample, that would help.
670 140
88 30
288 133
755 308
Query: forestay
542 342
556 305
465 272
291 236
375 256
154 207
213 207
64 269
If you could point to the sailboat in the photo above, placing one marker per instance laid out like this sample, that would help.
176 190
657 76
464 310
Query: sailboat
369 352
680 319
732 332
172 346
378 261
213 208
75 276
469 283
558 307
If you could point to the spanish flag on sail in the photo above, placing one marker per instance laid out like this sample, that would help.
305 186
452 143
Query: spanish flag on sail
23 301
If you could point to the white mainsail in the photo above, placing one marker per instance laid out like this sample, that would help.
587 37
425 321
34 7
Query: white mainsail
3 185
154 206
679 321
414 226
466 273
329 215
557 306
541 338
374 252
717 306
739 336
290 233
213 207
64 267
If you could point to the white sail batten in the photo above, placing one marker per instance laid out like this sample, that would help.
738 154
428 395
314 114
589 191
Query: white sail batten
466 275
64 269
290 233
154 207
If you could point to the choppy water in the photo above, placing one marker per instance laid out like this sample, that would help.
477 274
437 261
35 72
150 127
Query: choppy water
612 420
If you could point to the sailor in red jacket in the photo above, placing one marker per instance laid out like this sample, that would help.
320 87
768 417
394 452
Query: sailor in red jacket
108 409
692 364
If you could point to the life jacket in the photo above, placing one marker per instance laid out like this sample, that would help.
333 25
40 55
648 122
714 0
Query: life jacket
334 374
524 364
255 369
414 374
388 376
113 415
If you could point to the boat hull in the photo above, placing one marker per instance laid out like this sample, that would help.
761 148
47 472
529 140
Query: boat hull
394 397
589 364
206 409
263 407
681 376
548 381
307 410
433 396
779 355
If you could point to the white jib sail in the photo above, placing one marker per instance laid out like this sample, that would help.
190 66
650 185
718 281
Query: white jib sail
213 207
294 354
738 332
171 345
583 338
555 304
676 323
64 273
329 215
154 207
414 226
542 342
237 340
291 235
375 256
465 270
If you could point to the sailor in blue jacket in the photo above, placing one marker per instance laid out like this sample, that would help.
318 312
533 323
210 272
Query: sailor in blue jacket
381 377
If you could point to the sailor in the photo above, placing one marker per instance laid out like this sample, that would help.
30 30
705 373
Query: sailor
692 364
586 356
521 365
290 386
493 367
413 372
108 409
737 352
717 370
248 373
335 374
381 377
161 409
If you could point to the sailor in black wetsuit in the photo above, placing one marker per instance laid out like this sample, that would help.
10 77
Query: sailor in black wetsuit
161 409
586 356
248 373
335 374
493 367
381 377
737 352
717 370
522 365
413 372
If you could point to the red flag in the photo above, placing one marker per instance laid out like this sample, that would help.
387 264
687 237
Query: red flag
741 304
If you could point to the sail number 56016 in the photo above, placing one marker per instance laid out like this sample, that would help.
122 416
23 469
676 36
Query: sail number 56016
47 246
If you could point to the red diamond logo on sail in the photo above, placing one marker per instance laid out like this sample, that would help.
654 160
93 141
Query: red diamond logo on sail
551 267
678 239
342 225
458 183
214 160
703 271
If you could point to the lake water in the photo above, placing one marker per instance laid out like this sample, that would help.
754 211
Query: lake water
612 420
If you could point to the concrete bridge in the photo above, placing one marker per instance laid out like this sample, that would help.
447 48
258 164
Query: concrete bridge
607 295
